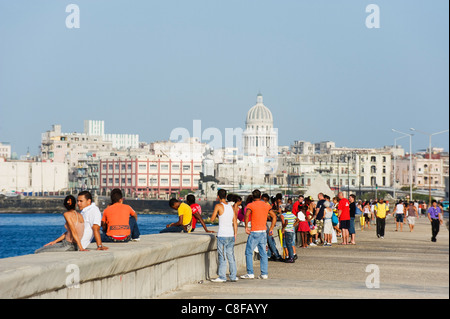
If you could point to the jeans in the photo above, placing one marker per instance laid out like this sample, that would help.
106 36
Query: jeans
257 239
172 229
225 250
272 245
381 224
435 223
61 246
134 233
289 240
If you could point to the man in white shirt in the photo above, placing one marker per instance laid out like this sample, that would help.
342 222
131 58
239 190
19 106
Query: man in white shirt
399 215
92 220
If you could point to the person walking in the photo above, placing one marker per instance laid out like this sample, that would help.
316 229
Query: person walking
381 210
226 237
411 215
399 215
257 212
435 217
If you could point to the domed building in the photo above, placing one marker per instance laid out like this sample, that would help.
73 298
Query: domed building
259 137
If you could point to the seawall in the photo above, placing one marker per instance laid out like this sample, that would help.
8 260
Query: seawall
156 264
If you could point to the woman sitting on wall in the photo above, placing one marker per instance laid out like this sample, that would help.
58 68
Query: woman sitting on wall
71 239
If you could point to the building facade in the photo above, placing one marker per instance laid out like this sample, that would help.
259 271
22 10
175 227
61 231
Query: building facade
148 176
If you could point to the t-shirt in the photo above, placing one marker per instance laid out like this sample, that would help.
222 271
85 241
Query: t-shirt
296 208
321 209
399 209
290 218
352 210
185 210
344 207
117 219
196 208
381 210
434 212
259 210
92 216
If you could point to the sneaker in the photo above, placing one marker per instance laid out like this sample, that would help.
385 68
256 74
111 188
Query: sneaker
248 276
312 244
234 280
290 260
295 257
136 239
218 280
263 277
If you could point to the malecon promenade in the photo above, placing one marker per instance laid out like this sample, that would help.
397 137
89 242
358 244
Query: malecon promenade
409 264
403 265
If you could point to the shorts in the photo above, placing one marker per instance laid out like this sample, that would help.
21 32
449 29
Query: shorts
292 240
351 229
412 220
328 227
319 225
399 218
344 224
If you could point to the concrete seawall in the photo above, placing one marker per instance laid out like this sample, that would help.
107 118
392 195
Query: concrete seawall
146 269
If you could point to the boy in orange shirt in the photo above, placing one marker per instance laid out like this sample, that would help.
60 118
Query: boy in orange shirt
119 222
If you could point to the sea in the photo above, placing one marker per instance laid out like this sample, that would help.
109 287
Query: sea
22 234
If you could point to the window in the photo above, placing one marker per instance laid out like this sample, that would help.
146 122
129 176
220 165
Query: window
164 167
164 181
175 181
142 166
373 159
153 167
175 167
186 181
186 168
373 169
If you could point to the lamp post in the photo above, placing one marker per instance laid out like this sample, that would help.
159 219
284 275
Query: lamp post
410 162
395 157
429 152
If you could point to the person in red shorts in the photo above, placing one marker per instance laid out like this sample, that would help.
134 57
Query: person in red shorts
344 217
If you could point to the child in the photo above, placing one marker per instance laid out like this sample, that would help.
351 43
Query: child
328 225
303 226
288 220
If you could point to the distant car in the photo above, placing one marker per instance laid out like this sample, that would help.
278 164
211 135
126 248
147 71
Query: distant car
445 205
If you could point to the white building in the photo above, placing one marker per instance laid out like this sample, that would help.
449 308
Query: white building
5 150
119 141
260 137
35 177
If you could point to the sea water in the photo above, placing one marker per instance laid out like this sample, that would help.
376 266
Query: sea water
22 234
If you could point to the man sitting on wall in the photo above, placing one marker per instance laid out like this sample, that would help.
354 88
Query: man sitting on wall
184 223
119 222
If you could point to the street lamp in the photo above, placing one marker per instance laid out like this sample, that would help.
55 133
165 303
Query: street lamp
429 151
410 162
395 158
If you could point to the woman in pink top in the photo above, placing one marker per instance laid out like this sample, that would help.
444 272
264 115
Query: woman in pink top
71 239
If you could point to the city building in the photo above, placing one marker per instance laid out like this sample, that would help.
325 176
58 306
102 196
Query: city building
5 150
148 176
119 141
33 178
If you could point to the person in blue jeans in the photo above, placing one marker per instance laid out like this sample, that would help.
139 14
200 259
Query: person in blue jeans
289 221
226 236
257 213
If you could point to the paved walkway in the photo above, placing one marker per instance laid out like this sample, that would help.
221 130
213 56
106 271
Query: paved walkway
408 265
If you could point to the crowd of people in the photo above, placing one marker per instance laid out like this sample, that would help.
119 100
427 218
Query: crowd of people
304 223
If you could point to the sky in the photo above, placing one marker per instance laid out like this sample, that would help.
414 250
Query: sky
147 67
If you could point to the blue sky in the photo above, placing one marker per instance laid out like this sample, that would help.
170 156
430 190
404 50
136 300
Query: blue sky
147 67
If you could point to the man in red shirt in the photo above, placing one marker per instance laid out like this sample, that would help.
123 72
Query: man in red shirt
344 217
